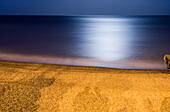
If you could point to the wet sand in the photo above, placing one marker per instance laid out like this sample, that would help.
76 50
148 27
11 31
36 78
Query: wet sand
39 87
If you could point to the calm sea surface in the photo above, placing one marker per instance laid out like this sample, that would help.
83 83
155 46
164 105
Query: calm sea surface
109 41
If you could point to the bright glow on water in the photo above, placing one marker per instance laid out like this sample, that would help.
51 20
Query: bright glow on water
106 39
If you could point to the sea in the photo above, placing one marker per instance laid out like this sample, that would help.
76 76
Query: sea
130 42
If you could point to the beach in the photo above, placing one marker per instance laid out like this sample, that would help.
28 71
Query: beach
42 87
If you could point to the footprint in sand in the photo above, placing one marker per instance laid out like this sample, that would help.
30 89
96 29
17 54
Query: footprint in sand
22 96
165 107
87 101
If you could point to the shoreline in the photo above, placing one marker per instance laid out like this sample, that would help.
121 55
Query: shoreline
88 66
120 64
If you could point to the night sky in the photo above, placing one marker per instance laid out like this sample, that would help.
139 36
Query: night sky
84 7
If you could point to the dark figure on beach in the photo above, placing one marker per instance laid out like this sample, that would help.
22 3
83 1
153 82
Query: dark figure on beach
167 60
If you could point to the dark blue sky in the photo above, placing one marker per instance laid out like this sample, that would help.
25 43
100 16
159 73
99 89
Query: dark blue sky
84 7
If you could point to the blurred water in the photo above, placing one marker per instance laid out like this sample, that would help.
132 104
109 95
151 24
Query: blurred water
109 41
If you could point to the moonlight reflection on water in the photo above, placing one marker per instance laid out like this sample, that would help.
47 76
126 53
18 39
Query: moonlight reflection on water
106 39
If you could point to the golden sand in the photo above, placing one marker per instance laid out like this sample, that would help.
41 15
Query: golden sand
29 87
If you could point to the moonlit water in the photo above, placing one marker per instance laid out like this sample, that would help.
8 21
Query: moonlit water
107 41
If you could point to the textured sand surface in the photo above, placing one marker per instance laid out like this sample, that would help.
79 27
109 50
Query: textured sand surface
29 87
